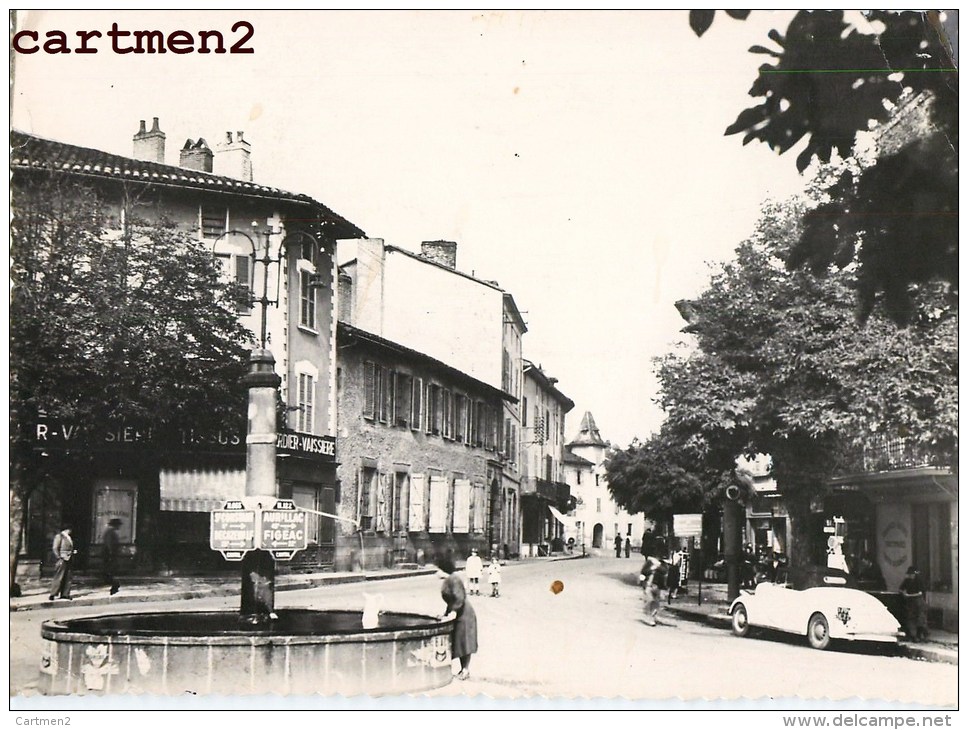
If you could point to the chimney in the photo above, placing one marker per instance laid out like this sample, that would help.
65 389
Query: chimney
440 252
233 158
150 145
196 156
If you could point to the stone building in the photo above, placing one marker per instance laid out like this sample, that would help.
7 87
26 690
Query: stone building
598 519
163 489
424 363
543 489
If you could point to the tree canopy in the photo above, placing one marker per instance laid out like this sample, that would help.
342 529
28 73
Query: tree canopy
833 77
115 319
783 367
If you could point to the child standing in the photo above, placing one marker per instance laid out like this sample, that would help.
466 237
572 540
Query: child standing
494 577
474 567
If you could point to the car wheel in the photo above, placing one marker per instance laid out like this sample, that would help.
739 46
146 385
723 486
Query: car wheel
741 620
818 631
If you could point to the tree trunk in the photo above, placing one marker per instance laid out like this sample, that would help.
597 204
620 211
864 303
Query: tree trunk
18 513
800 539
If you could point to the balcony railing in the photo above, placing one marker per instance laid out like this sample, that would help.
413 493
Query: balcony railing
888 454
554 492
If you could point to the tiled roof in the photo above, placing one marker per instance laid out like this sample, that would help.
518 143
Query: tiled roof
30 152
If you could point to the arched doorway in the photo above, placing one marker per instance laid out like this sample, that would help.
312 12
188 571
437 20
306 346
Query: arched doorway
598 532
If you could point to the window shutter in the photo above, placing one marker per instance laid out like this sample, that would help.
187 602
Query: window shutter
438 504
479 507
417 486
462 505
445 409
383 502
416 404
369 390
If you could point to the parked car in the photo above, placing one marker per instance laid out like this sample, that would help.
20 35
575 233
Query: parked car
821 603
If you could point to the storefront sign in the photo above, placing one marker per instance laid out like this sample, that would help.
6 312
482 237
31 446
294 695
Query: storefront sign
688 525
55 434
306 445
894 544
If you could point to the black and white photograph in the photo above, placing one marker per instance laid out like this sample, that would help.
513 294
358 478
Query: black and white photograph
444 360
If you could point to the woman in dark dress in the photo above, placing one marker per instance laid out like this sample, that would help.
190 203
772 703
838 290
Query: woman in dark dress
464 638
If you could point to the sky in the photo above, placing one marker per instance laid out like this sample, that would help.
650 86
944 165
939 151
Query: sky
576 157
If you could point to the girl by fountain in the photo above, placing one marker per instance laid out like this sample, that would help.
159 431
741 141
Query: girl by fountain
464 638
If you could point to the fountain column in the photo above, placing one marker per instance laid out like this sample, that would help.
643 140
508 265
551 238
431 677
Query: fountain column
258 566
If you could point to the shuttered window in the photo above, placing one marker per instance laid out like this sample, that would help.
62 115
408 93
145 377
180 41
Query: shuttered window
306 402
462 505
368 497
416 403
382 394
369 390
433 408
418 521
478 508
438 504
447 416
402 392
307 299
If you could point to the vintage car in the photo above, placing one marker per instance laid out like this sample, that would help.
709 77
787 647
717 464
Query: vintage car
819 602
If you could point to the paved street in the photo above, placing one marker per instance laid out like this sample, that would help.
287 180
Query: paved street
588 640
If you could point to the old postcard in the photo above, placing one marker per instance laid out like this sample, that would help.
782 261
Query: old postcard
484 359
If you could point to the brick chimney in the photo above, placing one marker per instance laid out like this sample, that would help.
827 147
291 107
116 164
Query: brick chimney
233 158
440 252
150 145
196 156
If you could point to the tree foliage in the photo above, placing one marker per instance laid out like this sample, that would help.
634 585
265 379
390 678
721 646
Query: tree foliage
831 80
113 320
110 324
783 367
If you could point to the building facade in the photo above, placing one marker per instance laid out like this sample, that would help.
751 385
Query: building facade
543 488
162 488
598 518
424 370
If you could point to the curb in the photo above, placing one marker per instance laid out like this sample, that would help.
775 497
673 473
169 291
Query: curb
214 591
911 651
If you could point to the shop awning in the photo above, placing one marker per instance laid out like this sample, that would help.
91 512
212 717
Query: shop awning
199 490
563 519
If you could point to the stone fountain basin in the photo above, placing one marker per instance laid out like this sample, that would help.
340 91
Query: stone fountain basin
195 652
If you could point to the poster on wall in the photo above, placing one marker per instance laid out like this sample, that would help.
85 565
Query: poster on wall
115 500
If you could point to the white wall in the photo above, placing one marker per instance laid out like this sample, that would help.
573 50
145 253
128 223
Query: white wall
445 315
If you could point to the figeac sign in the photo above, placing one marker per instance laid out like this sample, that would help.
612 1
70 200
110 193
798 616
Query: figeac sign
306 445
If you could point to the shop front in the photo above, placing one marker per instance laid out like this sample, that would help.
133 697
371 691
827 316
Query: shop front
903 518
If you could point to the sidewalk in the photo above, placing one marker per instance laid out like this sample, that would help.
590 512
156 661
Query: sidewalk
942 646
140 589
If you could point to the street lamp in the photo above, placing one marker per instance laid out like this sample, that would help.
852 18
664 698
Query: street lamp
262 382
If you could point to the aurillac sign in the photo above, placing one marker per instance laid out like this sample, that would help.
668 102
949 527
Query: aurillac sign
283 530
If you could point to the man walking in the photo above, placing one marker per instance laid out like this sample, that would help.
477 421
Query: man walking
618 546
63 549
109 554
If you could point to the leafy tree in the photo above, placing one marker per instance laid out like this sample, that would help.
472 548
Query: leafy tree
112 323
782 367
831 79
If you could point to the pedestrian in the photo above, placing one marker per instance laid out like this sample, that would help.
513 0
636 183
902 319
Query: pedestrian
464 636
64 552
618 546
494 577
650 577
915 606
674 577
748 567
110 543
628 546
648 543
474 567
